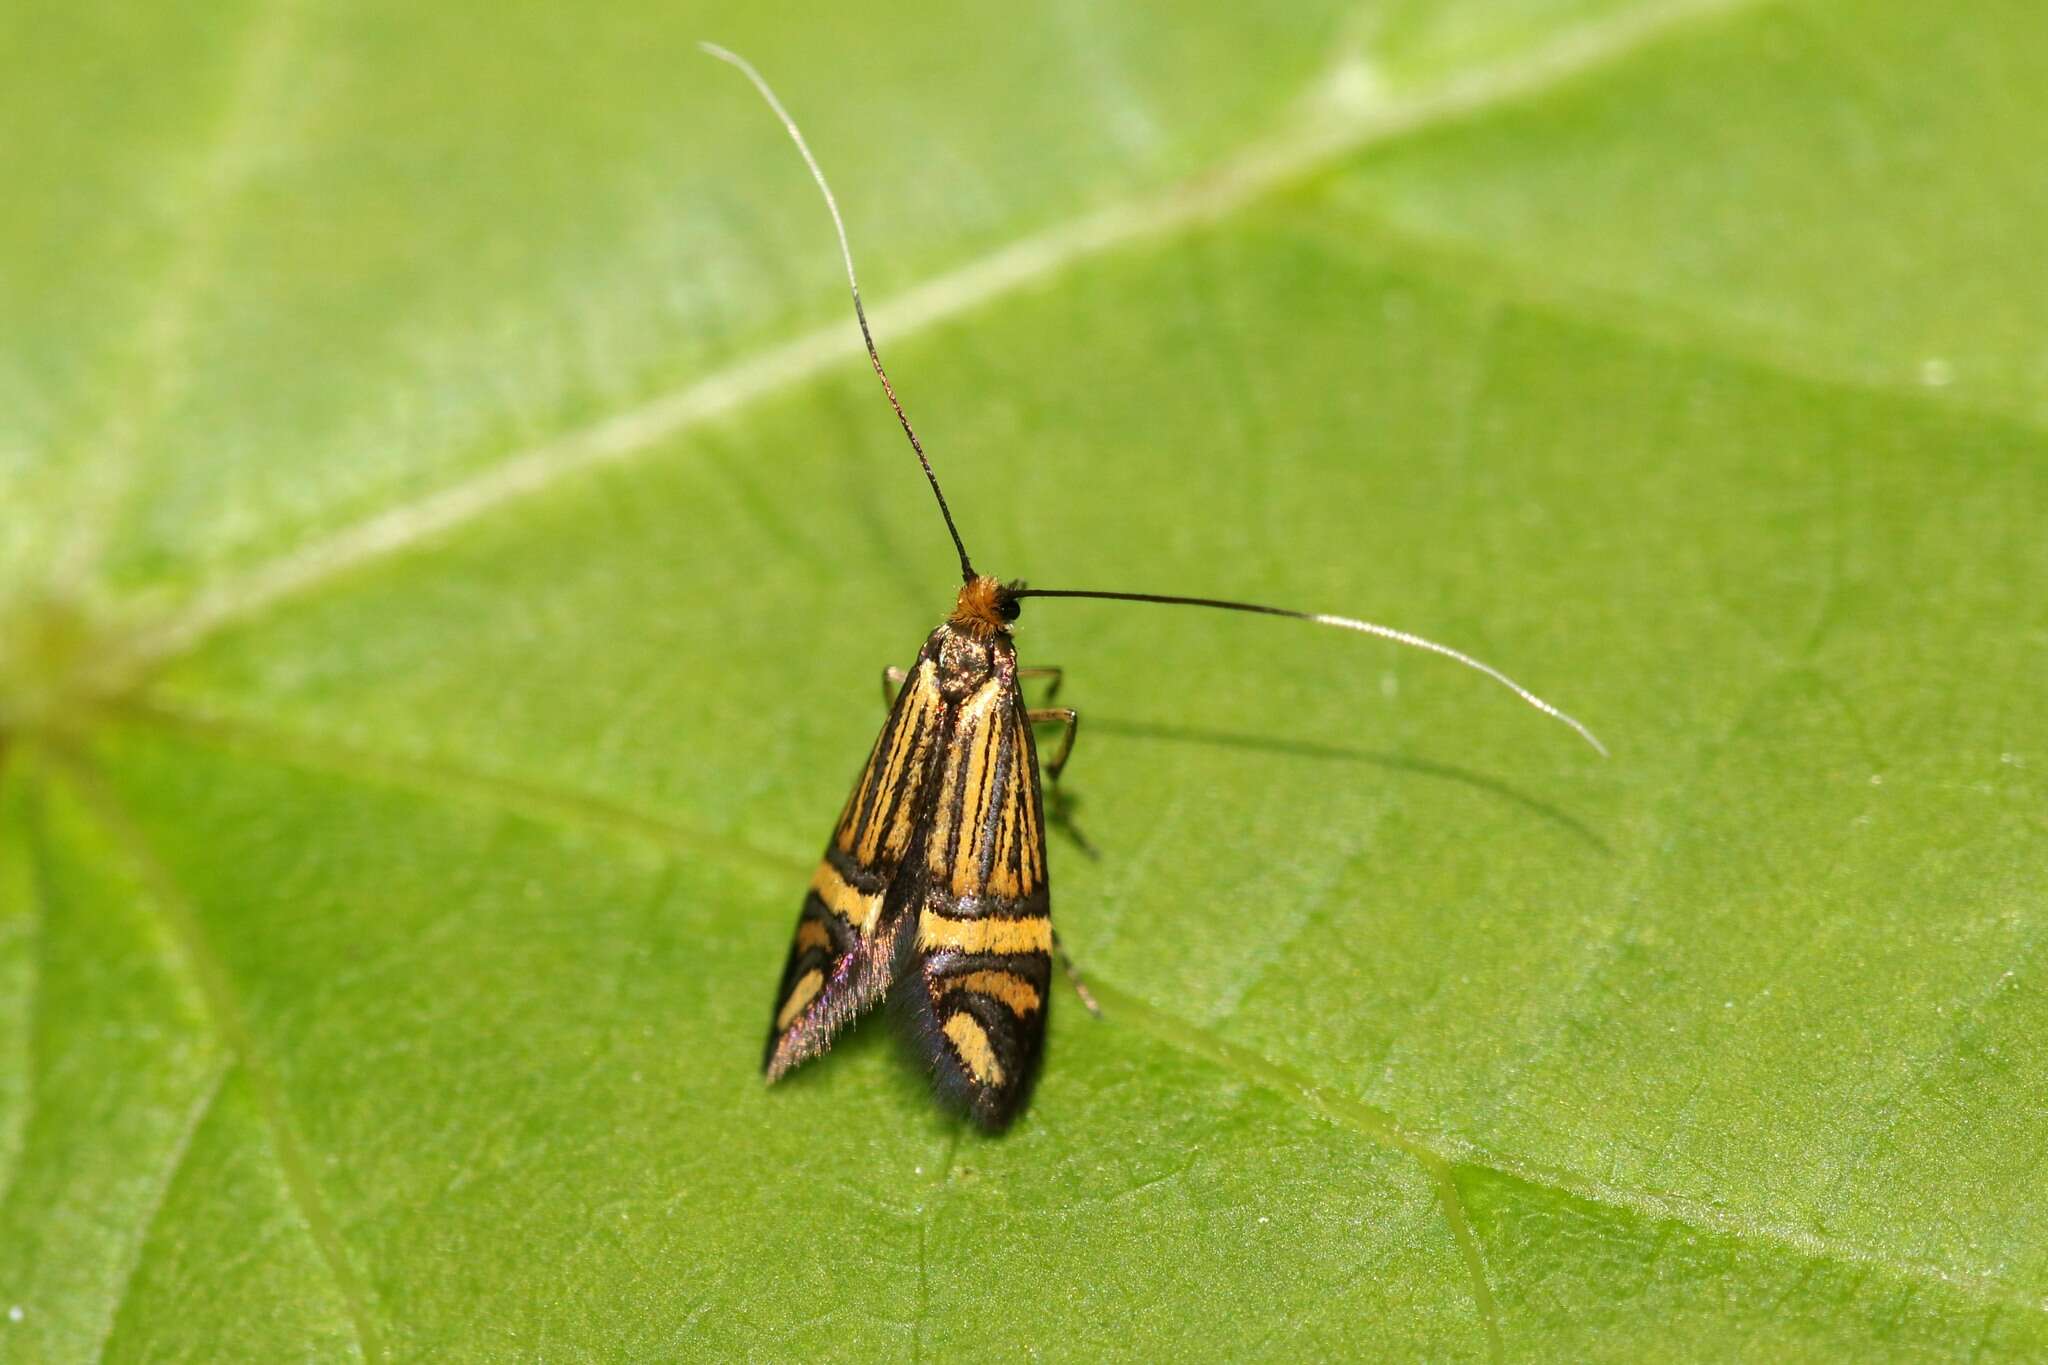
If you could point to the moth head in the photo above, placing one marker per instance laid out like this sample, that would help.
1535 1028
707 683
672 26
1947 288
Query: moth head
986 607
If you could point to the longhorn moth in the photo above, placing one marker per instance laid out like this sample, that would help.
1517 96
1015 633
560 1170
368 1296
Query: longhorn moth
933 886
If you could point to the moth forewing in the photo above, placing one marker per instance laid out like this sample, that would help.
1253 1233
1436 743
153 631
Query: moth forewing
843 956
978 971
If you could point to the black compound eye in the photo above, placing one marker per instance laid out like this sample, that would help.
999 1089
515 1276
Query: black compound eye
1008 608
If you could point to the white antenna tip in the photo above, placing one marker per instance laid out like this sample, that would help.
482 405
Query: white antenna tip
1415 641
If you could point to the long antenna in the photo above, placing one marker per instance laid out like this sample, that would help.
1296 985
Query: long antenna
746 68
1400 637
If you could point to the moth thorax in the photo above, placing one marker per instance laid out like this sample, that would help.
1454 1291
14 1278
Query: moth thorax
965 662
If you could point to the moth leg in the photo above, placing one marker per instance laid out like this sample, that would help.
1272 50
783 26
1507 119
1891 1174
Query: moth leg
1053 671
1059 810
1074 975
1066 716
892 678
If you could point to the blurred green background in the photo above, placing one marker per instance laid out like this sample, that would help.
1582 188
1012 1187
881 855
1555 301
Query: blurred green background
450 540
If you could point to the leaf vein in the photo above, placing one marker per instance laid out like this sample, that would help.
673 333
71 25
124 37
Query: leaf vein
31 930
224 1013
924 1234
140 397
1450 1152
433 777
180 1150
1661 321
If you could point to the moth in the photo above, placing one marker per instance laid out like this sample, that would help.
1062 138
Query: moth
932 891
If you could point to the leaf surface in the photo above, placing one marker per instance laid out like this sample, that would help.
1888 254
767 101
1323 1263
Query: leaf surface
458 540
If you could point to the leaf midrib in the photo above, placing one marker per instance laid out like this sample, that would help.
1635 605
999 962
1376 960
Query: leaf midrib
1330 131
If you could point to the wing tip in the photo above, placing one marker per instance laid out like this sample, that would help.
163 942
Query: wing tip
991 1106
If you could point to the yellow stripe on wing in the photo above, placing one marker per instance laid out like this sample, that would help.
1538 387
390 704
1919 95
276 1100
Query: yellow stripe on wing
859 909
801 994
1017 994
970 1040
936 931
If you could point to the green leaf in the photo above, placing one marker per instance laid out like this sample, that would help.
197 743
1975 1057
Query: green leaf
453 540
